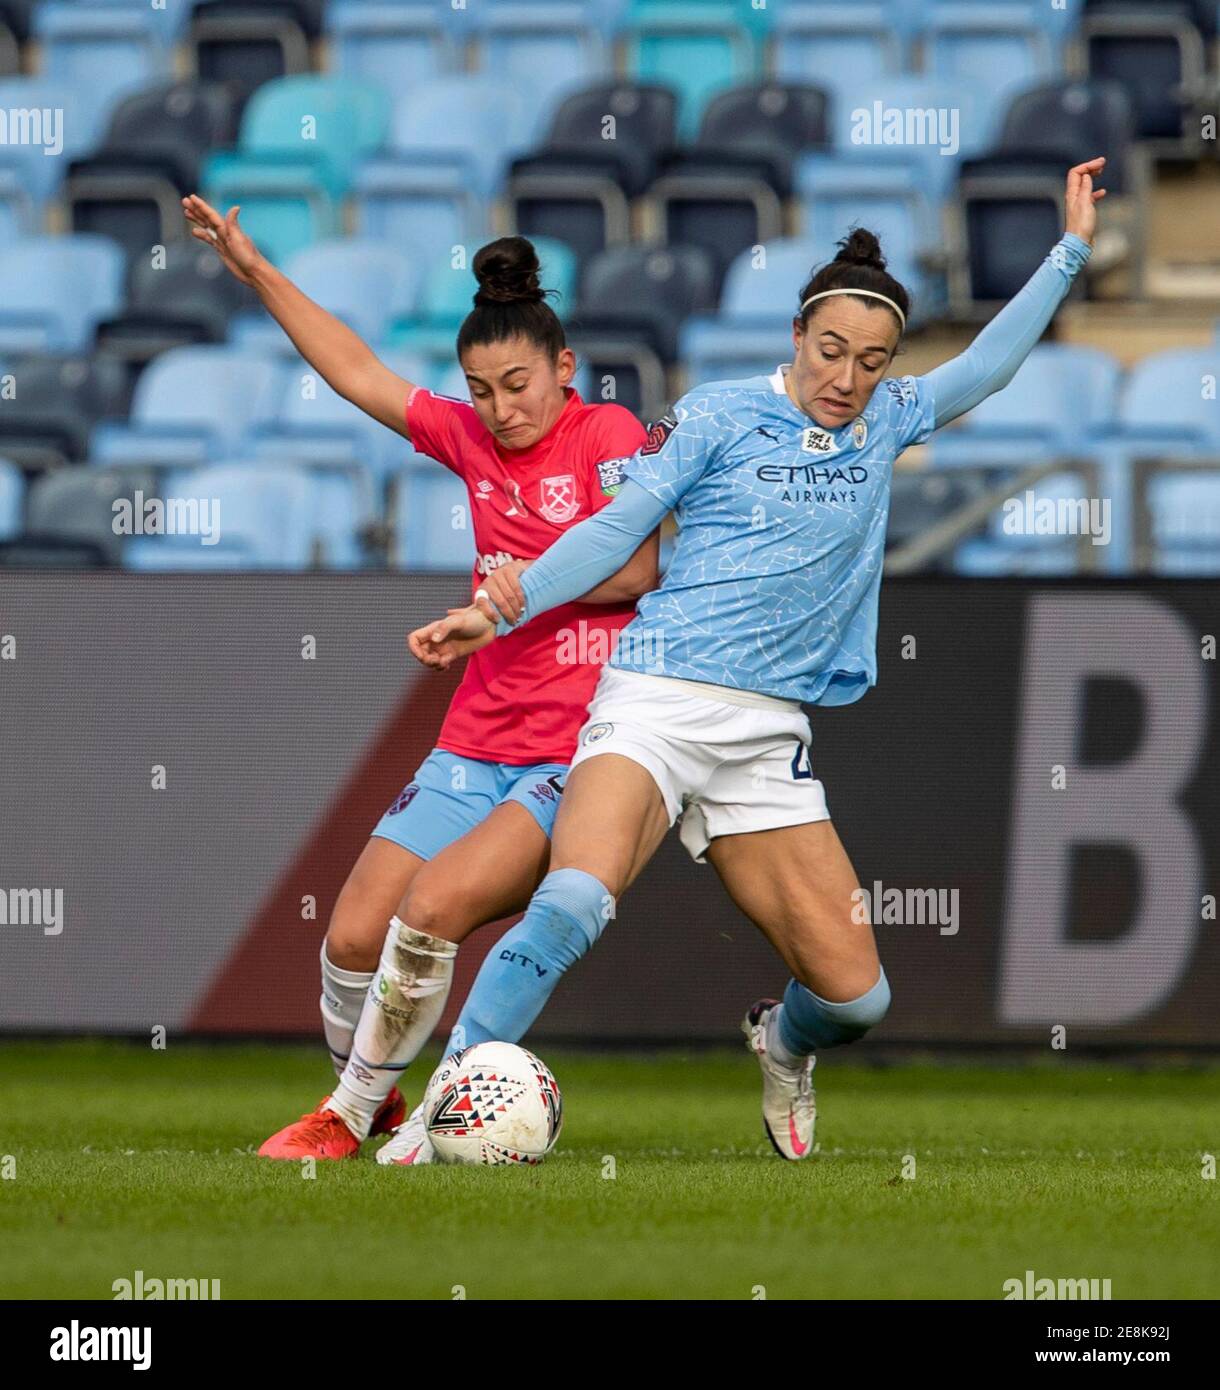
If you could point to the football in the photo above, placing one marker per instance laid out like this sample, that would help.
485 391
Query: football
493 1103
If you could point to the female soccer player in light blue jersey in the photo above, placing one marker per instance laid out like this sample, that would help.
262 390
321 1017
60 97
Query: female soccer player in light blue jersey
780 487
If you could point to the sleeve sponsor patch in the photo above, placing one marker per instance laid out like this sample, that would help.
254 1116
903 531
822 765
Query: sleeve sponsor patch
610 474
658 433
901 390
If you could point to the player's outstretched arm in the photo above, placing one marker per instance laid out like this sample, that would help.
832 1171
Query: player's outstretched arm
342 358
585 556
991 361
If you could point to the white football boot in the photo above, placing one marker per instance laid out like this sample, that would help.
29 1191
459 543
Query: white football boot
409 1145
789 1112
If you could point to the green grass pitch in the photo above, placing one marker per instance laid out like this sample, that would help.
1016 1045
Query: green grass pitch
116 1158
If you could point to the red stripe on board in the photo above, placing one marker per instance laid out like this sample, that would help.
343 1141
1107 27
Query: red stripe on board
269 982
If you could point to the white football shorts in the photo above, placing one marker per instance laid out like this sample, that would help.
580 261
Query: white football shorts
726 761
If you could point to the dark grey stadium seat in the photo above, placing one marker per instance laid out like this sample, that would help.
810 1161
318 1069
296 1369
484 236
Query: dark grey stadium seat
130 189
76 506
58 401
249 42
633 302
578 188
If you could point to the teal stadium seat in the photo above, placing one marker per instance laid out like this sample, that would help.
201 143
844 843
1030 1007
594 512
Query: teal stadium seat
56 290
448 295
301 138
698 49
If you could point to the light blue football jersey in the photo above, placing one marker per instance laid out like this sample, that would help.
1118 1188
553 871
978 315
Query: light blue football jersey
773 582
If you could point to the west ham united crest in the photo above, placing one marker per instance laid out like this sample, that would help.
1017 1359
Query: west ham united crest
558 499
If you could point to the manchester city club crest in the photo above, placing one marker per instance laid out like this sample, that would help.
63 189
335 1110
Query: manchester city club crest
596 732
558 499
859 432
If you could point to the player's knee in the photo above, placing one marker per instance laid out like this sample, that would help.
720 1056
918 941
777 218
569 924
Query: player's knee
439 909
566 916
353 944
834 1024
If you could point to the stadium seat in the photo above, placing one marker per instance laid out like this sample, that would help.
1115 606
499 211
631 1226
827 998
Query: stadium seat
365 283
1184 517
545 49
192 404
314 426
633 302
131 187
927 124
447 296
841 46
12 499
56 289
920 499
1158 54
301 139
29 175
14 31
266 516
697 48
1010 202
431 520
601 152
77 505
752 332
1170 400
250 42
391 44
431 187
55 403
837 194
729 190
185 297
998 43
101 50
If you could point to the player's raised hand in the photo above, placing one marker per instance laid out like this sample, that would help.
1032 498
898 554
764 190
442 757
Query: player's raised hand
440 644
505 597
232 245
1082 198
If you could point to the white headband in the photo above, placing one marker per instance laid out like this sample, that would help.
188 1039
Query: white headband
868 294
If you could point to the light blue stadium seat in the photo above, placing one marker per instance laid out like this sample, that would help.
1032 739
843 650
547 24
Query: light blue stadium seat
365 283
391 43
997 43
1185 514
55 290
316 427
928 124
1170 400
192 404
839 193
447 297
101 49
752 332
266 517
29 175
301 139
12 499
838 46
449 144
546 47
431 518
697 47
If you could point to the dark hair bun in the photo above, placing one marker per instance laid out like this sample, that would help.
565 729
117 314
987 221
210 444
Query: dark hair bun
507 271
861 247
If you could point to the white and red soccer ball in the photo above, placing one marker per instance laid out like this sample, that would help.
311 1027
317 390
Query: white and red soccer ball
493 1103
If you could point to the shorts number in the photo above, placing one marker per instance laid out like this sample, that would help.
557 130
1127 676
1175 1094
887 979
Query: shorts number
799 772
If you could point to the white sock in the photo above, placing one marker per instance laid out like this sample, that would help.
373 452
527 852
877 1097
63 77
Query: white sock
343 996
775 1044
403 1005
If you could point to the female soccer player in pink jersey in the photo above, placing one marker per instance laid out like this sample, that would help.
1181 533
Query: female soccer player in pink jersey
466 842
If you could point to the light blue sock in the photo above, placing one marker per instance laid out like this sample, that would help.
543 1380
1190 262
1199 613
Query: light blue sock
806 1022
565 917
